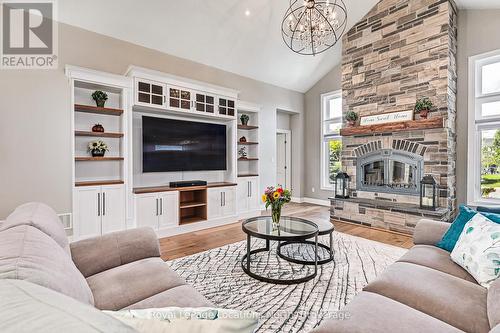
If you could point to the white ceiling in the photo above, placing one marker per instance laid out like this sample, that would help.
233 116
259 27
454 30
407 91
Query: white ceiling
239 36
478 4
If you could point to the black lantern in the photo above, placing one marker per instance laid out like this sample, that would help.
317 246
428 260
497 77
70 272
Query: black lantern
342 185
428 195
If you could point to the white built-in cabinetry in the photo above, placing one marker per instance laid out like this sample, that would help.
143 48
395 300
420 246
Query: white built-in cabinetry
248 194
221 202
99 210
157 210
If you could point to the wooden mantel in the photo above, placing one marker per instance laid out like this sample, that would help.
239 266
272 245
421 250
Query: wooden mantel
437 122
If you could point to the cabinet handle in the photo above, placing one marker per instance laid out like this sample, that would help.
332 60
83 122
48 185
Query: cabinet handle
164 99
98 204
156 206
224 199
221 199
161 206
103 203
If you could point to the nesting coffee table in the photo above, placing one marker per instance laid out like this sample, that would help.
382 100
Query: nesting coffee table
291 230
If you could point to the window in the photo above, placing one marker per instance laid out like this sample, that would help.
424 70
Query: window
331 143
483 181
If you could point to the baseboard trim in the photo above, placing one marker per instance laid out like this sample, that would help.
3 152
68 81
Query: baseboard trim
314 201
297 199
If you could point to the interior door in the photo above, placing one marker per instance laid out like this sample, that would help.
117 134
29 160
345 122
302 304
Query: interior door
168 210
88 211
147 210
281 160
113 208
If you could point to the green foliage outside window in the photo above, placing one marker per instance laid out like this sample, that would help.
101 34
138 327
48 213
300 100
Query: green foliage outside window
334 165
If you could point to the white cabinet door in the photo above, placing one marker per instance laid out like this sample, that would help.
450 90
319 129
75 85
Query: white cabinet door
147 210
88 211
150 93
169 209
242 197
229 202
253 194
215 200
179 99
113 208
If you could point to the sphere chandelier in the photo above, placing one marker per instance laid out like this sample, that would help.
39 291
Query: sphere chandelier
310 27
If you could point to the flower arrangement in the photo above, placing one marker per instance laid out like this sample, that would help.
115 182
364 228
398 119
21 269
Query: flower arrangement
98 148
351 117
100 97
423 106
276 197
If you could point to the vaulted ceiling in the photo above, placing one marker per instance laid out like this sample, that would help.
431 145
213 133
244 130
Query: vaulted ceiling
239 36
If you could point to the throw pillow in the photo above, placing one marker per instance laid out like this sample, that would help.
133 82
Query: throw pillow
188 320
478 250
450 238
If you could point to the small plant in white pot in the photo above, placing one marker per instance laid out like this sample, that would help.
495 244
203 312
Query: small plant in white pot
98 148
423 106
100 98
351 117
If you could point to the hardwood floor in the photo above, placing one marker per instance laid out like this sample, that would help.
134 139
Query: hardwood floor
199 241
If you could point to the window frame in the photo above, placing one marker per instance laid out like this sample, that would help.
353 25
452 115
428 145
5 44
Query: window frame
478 123
325 138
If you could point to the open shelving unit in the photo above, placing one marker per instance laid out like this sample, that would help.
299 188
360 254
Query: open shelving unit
110 169
192 205
249 166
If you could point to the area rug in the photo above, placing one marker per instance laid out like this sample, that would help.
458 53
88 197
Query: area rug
218 275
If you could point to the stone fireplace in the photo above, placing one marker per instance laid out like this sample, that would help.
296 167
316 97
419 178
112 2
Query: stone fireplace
402 50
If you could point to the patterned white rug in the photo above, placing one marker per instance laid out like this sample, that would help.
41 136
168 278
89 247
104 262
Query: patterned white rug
218 275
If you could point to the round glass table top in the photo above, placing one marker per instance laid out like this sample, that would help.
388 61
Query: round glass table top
289 228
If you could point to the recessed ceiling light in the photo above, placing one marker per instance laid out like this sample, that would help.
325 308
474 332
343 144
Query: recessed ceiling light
247 12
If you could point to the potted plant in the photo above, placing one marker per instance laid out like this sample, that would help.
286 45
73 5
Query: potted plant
423 106
100 98
98 148
276 197
244 119
351 118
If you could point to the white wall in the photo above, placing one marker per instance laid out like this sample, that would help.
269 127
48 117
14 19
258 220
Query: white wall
35 111
478 32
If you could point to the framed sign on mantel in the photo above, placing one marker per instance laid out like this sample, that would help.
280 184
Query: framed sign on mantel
386 118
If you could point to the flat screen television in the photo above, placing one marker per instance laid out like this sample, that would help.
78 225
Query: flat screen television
177 145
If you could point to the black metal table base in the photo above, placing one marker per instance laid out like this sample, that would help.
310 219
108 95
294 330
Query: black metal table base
321 261
245 264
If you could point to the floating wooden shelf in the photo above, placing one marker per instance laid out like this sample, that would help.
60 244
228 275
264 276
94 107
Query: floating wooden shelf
247 127
248 143
90 158
248 159
99 183
98 110
192 204
394 127
99 134
249 175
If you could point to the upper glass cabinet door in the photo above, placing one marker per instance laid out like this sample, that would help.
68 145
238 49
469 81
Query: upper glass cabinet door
150 93
179 99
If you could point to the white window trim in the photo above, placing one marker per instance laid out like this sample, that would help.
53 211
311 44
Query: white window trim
476 123
323 159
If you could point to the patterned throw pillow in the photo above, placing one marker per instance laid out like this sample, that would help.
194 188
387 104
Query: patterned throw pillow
478 250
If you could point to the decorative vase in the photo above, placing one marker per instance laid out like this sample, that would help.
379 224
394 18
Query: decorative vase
276 214
97 128
244 122
100 102
98 153
424 113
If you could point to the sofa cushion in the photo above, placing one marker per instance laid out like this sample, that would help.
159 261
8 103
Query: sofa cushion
180 296
27 307
436 258
28 254
124 285
369 312
40 216
494 303
455 301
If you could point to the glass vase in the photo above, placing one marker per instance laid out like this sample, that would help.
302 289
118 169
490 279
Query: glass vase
276 215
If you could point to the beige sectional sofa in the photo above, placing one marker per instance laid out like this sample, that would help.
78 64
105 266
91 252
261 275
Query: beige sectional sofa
424 291
116 271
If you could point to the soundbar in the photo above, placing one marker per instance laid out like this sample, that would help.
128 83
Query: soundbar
188 183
